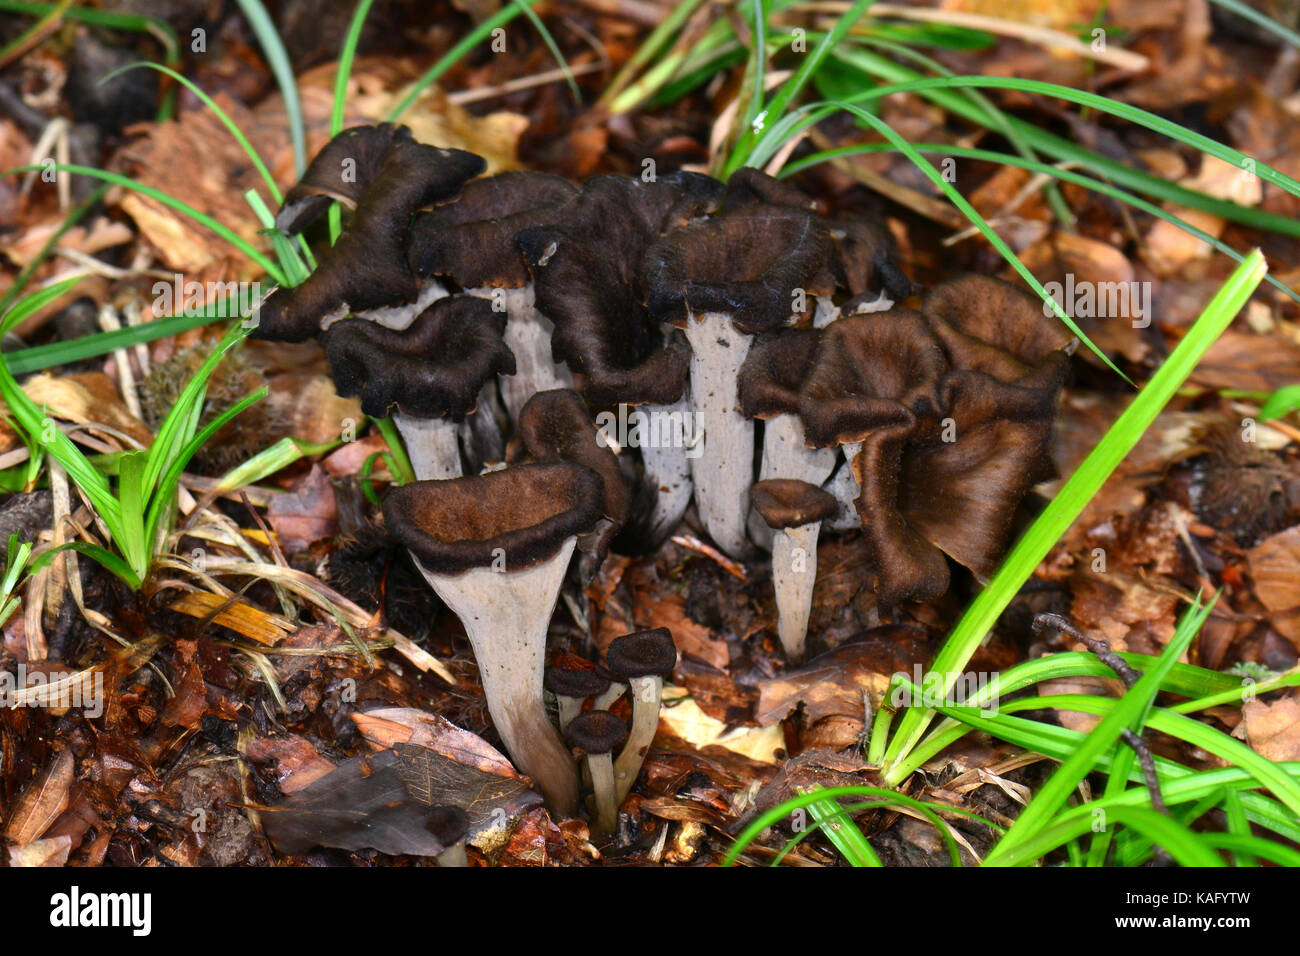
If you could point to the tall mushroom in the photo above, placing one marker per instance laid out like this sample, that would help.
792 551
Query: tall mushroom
495 548
586 265
794 510
643 659
877 382
723 280
431 373
597 733
366 269
471 241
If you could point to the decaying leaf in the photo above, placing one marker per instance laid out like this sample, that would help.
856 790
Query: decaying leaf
1273 730
42 801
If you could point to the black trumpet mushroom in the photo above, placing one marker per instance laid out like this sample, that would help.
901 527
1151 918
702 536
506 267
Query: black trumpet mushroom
428 375
470 241
495 548
723 280
598 733
643 659
366 269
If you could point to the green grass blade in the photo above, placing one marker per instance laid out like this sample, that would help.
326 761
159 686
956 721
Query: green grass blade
236 240
103 556
452 56
843 833
1077 491
1260 19
34 302
1066 175
278 60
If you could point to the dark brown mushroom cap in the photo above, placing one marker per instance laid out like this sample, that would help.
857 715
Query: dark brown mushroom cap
746 262
864 260
751 186
448 824
433 369
556 425
585 268
563 682
775 371
524 513
872 371
962 495
790 503
596 732
341 171
471 239
990 326
642 654
366 268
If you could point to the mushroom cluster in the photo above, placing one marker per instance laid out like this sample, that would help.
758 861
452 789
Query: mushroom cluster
607 354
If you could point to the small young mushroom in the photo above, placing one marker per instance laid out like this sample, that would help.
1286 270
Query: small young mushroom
723 280
768 387
643 659
586 266
449 824
367 268
471 241
431 373
598 733
495 548
572 688
794 510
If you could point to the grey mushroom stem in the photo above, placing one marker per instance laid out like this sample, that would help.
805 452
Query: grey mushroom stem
605 821
569 708
528 334
666 456
843 486
787 455
723 472
506 615
606 700
794 572
646 694
454 855
431 444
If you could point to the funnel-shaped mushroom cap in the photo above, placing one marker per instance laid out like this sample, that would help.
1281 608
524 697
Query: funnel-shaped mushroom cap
471 239
872 371
556 425
522 515
746 262
790 503
865 261
775 371
448 824
642 654
989 326
563 682
366 268
596 732
585 266
433 369
341 171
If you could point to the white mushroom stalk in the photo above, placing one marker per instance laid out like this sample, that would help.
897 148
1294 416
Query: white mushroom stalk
843 487
666 456
506 617
432 445
605 819
794 574
787 455
528 334
646 695
723 471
